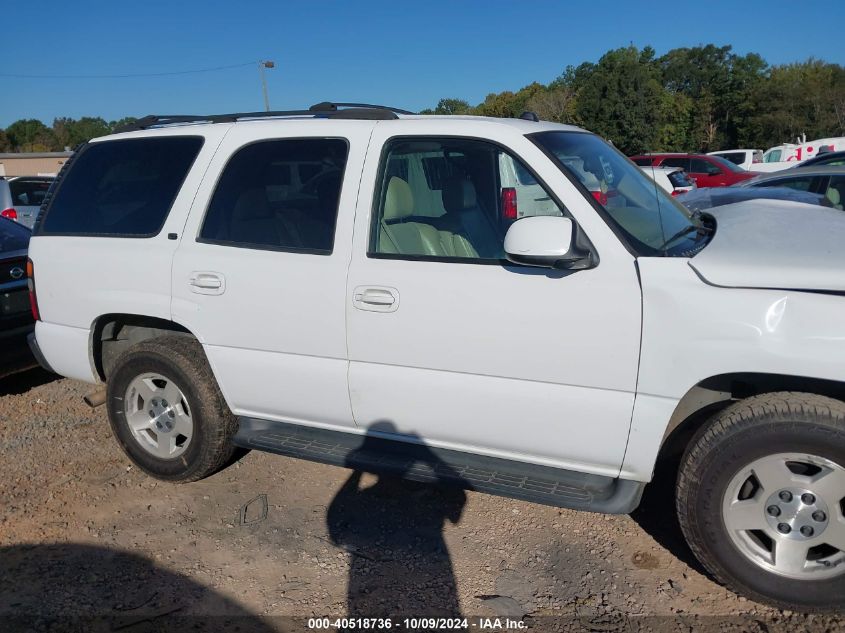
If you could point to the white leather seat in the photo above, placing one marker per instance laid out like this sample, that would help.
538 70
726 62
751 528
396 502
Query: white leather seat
397 234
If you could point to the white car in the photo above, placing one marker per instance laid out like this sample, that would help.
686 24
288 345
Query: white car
673 180
746 158
394 315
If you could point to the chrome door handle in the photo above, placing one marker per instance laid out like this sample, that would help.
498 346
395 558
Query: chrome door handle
207 283
376 298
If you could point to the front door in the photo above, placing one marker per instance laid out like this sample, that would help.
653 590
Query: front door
450 343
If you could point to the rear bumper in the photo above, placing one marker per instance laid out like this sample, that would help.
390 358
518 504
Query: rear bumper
36 352
64 350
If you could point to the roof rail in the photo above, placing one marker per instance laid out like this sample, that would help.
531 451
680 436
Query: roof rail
325 109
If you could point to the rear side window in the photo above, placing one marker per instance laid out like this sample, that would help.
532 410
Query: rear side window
676 161
257 204
643 162
121 188
28 193
680 179
737 158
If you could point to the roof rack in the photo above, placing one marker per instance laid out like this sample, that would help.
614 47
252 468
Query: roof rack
325 109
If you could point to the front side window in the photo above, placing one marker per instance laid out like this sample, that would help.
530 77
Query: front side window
279 195
452 198
701 166
737 158
646 217
798 183
726 165
676 161
773 156
121 188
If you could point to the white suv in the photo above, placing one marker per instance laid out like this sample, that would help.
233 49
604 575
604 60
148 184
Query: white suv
510 305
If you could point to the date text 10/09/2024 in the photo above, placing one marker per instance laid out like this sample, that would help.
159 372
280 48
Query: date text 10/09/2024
423 623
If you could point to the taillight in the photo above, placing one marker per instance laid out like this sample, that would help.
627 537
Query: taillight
30 282
676 192
600 196
509 211
10 213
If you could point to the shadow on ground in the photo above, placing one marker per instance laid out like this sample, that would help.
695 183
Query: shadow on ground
394 531
24 381
76 587
656 514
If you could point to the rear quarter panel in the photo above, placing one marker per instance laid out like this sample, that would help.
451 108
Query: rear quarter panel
80 278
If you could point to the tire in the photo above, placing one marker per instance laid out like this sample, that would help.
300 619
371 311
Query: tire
195 427
731 497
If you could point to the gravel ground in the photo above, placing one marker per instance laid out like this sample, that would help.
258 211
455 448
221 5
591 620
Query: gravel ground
84 534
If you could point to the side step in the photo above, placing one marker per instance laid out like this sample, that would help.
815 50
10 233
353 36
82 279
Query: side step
418 462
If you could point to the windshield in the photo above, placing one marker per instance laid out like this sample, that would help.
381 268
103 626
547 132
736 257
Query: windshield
642 212
727 164
13 236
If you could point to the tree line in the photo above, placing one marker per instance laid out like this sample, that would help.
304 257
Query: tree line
31 135
702 98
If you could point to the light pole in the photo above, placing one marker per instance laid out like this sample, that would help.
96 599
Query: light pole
261 66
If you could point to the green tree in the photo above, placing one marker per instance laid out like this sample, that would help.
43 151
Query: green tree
620 98
71 132
31 135
5 143
452 106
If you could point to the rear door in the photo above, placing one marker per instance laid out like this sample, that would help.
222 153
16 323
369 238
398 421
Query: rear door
260 273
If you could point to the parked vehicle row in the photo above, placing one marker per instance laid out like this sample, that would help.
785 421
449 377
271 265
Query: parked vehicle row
703 169
511 305
16 321
21 197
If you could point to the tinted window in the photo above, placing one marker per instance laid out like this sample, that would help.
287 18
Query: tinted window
13 236
701 166
676 161
726 165
797 183
28 193
737 158
835 192
122 187
257 204
642 162
457 200
680 179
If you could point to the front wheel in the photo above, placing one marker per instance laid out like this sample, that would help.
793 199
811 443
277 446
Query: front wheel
166 410
761 499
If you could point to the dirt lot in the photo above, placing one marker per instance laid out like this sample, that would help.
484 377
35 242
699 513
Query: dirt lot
83 534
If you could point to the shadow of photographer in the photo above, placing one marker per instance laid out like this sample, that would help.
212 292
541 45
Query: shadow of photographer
393 528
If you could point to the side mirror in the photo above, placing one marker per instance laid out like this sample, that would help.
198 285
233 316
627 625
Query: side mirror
544 241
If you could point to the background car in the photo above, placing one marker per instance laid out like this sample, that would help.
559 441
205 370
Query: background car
673 180
21 197
16 320
829 158
744 158
824 180
703 199
705 171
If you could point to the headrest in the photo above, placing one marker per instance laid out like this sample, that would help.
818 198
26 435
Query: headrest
834 196
399 200
458 194
252 205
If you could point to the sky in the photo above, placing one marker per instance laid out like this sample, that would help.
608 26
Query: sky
402 54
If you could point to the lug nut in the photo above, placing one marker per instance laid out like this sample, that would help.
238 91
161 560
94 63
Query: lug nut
155 402
819 516
171 413
784 528
152 413
807 531
807 499
773 511
784 495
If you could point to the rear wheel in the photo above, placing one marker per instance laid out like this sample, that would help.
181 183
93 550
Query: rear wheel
761 499
166 410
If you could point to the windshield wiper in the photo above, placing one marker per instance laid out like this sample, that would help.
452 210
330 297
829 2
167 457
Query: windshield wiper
687 230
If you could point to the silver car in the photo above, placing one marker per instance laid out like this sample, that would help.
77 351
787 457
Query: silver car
21 197
823 180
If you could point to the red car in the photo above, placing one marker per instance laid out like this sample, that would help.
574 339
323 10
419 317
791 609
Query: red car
706 171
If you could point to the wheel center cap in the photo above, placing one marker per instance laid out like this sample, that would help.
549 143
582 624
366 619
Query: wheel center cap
162 415
796 513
